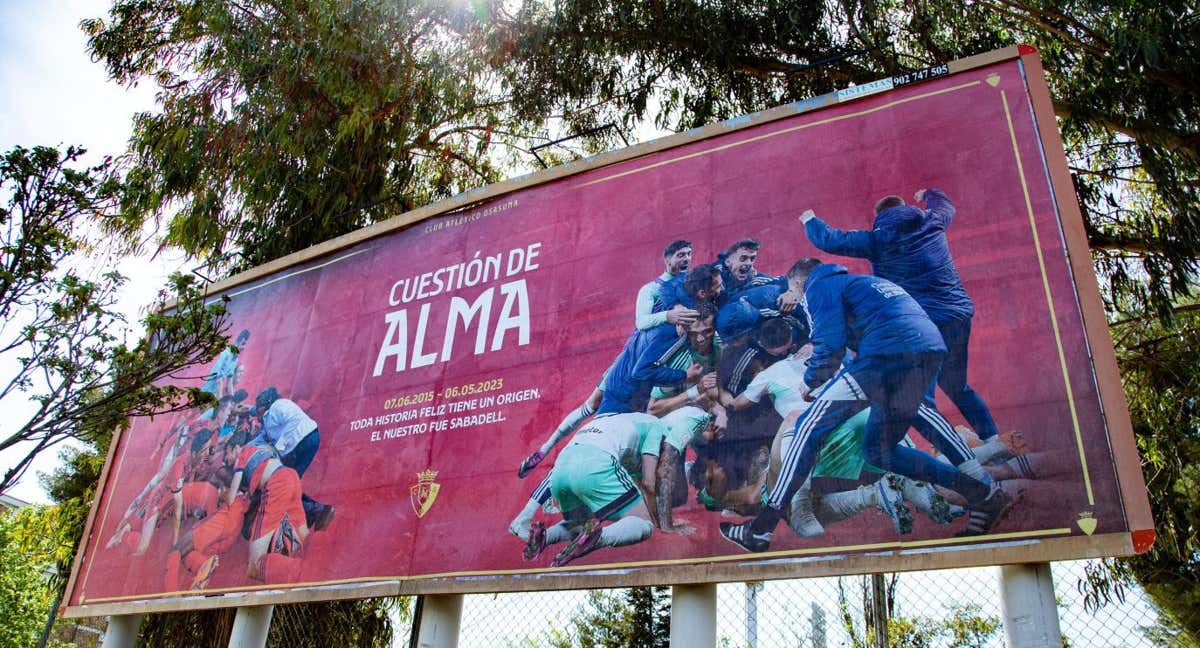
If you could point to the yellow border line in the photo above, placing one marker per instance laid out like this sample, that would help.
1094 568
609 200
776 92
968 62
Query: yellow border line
1037 246
292 274
750 140
582 570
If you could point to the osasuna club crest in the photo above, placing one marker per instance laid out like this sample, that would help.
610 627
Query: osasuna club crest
424 492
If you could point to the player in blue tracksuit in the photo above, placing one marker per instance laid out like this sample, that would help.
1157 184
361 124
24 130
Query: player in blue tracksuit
644 363
898 352
907 246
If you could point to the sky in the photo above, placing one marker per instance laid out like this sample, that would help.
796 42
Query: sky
57 96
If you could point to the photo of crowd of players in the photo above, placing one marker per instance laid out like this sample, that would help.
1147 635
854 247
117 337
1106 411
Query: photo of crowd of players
785 399
231 474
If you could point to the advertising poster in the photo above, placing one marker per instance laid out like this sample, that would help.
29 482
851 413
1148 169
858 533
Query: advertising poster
707 356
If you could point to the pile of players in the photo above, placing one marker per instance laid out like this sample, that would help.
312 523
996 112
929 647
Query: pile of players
232 472
850 364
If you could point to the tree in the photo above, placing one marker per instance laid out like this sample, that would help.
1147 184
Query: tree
274 114
1162 385
25 591
638 617
964 625
59 335
1123 79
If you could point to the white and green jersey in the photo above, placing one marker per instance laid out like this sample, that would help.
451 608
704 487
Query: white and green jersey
681 356
624 436
684 425
647 295
784 381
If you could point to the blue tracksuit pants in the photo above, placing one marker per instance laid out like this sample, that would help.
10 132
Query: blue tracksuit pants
893 387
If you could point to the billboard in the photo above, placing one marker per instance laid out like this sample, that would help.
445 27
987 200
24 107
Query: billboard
632 370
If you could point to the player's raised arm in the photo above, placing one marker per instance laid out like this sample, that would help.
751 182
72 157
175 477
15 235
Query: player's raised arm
938 207
852 243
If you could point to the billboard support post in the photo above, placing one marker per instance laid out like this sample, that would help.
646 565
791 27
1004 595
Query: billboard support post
250 626
694 615
122 631
1029 609
439 621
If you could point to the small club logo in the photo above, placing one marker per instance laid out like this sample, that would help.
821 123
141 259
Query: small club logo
424 492
1087 522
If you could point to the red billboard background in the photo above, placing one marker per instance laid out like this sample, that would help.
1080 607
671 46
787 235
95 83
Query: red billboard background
572 254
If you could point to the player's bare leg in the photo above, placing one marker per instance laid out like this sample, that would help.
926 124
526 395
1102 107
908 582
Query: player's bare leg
631 528
569 424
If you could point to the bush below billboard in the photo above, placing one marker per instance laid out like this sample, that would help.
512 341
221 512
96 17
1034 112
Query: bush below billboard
643 342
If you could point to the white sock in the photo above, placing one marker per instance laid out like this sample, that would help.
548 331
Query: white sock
567 426
971 468
990 449
520 524
558 533
626 531
801 515
836 507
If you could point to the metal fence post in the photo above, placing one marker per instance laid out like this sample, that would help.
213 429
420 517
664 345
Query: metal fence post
752 590
122 631
1029 608
441 615
879 610
694 615
250 626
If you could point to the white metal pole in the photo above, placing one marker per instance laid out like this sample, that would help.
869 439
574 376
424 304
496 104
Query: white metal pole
694 616
250 626
122 631
441 615
1027 601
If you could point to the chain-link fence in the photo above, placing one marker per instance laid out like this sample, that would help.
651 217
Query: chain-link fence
958 607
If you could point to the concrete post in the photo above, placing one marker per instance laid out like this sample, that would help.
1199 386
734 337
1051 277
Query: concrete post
694 616
1027 602
250 626
441 615
122 631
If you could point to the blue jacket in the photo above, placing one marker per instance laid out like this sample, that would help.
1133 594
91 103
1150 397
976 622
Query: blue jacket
870 315
638 370
908 247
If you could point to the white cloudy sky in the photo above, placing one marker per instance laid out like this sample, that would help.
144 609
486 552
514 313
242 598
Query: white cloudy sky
55 95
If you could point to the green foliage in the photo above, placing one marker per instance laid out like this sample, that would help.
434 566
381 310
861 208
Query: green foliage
283 124
639 617
364 623
963 626
60 330
1162 385
27 554
1123 78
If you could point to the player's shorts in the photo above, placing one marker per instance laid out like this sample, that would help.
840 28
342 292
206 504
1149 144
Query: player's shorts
587 476
199 499
281 495
217 532
841 455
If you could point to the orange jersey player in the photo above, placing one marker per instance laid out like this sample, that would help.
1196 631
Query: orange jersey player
136 529
279 529
199 548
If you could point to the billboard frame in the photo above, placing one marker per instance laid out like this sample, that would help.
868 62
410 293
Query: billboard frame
1022 547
